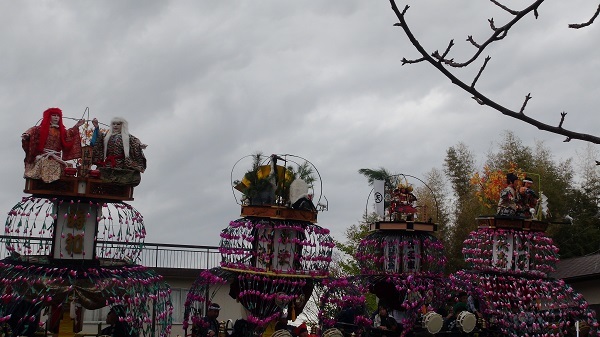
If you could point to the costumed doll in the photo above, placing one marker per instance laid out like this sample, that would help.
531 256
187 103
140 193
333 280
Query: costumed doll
48 146
118 154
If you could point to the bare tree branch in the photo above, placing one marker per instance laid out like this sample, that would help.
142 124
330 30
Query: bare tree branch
447 49
405 61
470 39
527 98
487 59
498 32
476 95
505 8
492 25
585 24
562 119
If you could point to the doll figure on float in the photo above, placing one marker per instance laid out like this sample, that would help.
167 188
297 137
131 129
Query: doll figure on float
49 146
118 155
402 207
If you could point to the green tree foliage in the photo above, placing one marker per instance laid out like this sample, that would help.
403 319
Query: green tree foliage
435 197
257 185
582 236
459 166
346 263
354 234
590 180
378 174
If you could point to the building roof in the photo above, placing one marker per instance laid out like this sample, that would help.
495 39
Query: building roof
578 268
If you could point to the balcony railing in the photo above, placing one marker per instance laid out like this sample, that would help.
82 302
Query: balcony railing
160 255
155 255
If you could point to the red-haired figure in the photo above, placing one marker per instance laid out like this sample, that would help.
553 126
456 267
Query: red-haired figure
49 145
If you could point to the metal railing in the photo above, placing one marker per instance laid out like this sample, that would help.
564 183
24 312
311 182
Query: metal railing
162 255
153 255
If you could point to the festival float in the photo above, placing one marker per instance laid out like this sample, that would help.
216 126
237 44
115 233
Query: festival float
401 263
509 259
73 241
273 255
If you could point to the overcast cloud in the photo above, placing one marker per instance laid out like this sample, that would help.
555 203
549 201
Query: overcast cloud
205 83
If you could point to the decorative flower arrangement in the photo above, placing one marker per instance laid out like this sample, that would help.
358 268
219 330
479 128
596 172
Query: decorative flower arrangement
130 286
509 278
530 253
196 299
524 306
264 296
284 257
412 252
343 301
282 247
30 226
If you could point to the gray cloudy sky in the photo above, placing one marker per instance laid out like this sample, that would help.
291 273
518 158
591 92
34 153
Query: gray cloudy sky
205 83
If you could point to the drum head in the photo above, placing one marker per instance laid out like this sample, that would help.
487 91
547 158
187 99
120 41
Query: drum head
229 327
433 322
466 321
333 332
281 333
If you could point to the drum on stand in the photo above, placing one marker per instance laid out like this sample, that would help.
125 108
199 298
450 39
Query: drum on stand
466 321
433 322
